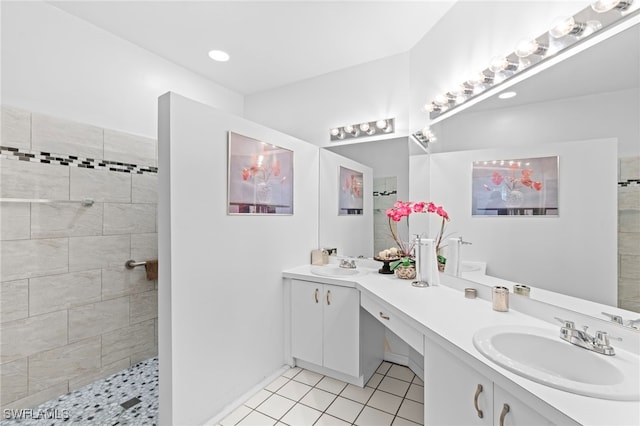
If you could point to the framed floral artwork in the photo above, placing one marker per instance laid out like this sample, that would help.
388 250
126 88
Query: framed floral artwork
515 187
260 177
350 201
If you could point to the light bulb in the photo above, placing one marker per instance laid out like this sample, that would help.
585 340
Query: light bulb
429 107
427 134
441 100
364 127
381 124
335 132
498 63
349 129
565 26
602 6
528 47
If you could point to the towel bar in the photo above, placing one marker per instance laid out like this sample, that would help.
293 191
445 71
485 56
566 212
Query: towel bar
130 264
87 202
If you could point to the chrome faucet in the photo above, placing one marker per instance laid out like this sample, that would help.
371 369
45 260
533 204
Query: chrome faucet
598 343
347 264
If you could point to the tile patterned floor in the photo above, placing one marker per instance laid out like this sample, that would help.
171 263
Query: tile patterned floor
104 402
393 396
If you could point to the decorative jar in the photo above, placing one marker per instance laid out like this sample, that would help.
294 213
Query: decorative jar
405 272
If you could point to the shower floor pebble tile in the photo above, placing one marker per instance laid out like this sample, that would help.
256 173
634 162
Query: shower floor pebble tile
393 397
98 403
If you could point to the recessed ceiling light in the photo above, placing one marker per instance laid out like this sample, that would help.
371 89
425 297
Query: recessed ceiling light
219 55
507 95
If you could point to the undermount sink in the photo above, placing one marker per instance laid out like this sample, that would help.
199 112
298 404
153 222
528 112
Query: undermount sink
335 271
540 355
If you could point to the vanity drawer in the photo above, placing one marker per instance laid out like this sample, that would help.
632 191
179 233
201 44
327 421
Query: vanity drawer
391 319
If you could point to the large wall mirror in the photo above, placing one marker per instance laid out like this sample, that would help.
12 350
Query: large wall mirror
598 92
389 160
592 95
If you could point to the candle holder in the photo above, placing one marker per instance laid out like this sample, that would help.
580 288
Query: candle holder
386 267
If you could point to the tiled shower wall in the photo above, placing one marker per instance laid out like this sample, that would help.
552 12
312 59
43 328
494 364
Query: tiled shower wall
70 312
384 195
629 234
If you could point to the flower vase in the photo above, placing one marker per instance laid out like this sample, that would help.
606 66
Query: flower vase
405 272
514 198
263 192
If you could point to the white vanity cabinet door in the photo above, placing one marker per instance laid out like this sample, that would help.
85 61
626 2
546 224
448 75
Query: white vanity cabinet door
455 394
342 329
517 414
325 326
306 321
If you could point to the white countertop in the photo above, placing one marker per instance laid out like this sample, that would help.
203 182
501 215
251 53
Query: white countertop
447 313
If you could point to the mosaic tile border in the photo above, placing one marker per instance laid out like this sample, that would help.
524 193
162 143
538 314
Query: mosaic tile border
630 182
384 193
12 153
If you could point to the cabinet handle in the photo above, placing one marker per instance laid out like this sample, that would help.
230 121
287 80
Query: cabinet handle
328 294
503 414
475 400
383 316
316 295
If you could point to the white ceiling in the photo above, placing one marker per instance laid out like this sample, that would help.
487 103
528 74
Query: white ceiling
271 43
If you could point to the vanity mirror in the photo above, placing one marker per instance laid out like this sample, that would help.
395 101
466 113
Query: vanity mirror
594 97
591 100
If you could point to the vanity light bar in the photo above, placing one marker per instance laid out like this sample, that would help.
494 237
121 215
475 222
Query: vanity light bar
365 129
423 138
565 33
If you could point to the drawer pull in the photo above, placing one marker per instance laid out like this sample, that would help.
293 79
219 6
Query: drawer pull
503 414
383 316
475 401
316 295
328 295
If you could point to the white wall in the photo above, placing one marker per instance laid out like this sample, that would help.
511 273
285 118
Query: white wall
352 235
220 289
310 108
573 253
57 64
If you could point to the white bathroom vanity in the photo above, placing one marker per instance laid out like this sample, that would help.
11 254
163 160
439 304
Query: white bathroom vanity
335 326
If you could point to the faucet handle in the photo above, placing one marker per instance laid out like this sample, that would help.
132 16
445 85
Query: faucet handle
566 323
466 243
613 317
634 323
602 338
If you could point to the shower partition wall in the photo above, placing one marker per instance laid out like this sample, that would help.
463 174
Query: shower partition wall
629 234
70 312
